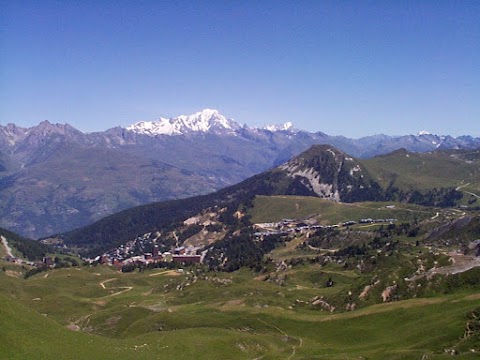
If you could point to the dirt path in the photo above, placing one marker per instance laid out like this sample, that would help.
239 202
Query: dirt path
168 272
124 288
294 347
470 193
102 284
467 192
461 186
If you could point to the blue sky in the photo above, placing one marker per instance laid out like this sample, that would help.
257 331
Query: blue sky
350 68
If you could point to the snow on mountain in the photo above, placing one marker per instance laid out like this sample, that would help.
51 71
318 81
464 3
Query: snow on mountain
207 120
424 132
282 127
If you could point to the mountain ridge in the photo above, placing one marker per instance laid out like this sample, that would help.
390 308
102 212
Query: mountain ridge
81 177
211 120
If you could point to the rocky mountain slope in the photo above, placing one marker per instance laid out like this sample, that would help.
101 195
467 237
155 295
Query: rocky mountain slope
54 178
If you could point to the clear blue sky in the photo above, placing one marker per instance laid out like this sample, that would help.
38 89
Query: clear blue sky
348 68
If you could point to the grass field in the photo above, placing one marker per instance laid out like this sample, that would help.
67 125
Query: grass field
169 315
276 208
425 170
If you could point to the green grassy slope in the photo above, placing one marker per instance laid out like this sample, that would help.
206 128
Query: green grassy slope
276 208
427 170
217 316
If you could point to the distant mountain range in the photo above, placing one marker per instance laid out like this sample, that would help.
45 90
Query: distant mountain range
54 178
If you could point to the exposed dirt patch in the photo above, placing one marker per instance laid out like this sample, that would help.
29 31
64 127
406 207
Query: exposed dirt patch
13 273
73 327
261 277
167 273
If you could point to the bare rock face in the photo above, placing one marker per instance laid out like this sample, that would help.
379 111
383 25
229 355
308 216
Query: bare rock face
366 290
322 303
326 172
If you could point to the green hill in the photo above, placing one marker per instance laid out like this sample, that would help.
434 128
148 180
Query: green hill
422 171
276 208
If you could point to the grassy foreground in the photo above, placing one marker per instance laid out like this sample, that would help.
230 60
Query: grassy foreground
83 313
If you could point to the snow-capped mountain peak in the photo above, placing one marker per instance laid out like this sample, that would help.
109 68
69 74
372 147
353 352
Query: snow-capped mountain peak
424 132
279 127
207 120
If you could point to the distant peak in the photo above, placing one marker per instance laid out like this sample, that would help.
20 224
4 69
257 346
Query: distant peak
208 112
424 132
279 127
206 120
